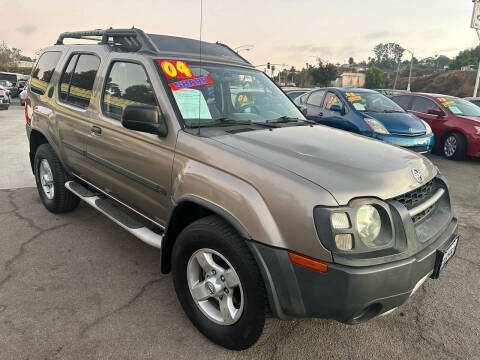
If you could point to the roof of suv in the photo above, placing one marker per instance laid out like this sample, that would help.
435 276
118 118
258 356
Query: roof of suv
135 40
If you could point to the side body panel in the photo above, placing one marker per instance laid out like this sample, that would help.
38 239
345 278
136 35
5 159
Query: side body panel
282 216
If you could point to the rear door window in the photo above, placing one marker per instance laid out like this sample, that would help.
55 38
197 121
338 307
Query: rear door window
43 71
403 101
127 83
316 98
67 77
82 80
422 105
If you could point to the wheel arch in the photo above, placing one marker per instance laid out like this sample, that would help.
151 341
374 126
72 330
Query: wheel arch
188 209
38 137
450 132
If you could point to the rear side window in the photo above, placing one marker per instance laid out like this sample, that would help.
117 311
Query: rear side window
403 101
78 78
422 105
316 98
43 71
127 83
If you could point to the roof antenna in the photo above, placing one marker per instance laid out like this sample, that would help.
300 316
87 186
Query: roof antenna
200 51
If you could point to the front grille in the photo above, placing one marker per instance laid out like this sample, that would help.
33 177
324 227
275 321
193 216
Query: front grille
418 149
412 198
407 134
422 215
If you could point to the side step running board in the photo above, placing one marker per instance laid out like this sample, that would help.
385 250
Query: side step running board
116 214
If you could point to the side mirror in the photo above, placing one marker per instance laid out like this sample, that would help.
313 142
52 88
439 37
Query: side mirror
144 118
436 112
304 110
338 108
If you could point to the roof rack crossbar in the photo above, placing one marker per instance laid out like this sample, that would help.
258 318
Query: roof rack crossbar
131 39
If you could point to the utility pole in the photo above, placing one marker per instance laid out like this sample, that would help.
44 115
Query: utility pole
476 25
410 74
396 75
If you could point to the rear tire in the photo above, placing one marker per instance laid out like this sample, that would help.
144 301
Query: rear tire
454 146
51 177
212 235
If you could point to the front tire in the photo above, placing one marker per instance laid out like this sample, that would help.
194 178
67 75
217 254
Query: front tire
454 146
218 283
51 177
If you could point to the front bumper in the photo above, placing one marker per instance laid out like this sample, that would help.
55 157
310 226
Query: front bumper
345 293
421 144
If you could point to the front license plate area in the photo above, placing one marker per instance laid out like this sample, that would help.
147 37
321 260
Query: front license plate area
444 255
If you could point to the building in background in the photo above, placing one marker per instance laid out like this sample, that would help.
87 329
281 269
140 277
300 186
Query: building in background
24 64
348 79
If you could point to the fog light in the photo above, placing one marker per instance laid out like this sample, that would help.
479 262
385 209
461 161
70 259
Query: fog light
340 221
344 241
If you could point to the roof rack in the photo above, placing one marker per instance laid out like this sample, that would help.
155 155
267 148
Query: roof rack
130 39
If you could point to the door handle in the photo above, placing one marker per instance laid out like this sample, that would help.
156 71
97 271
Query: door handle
50 92
96 131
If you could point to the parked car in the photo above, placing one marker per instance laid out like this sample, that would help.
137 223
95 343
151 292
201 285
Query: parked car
5 99
23 95
473 100
256 209
13 79
294 92
368 113
455 122
8 86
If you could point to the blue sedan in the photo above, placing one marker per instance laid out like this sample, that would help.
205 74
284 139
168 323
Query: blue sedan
368 113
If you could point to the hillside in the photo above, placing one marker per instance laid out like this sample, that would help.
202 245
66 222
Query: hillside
455 83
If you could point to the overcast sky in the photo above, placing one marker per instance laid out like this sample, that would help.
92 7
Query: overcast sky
281 31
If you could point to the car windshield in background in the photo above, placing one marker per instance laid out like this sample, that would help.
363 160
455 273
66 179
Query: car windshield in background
372 102
223 94
460 106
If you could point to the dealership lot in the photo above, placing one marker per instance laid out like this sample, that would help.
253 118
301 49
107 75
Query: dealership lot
76 286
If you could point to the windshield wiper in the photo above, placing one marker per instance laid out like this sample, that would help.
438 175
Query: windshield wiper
286 119
220 121
393 111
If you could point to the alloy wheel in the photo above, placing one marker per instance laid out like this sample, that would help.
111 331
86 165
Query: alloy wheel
450 146
46 179
215 286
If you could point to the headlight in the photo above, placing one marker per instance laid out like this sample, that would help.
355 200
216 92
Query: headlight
427 127
368 224
477 128
376 126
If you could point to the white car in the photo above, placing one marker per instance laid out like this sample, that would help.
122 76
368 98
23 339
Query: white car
23 95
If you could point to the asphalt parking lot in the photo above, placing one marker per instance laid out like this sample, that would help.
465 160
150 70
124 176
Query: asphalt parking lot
76 286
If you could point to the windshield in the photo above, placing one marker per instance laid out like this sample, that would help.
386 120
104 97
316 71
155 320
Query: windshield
372 102
222 92
460 106
9 77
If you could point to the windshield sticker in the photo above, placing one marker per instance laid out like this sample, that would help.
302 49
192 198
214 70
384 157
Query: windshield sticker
447 103
359 106
455 110
354 98
185 84
244 100
192 104
176 69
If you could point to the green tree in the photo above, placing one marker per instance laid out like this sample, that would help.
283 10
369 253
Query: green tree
324 74
8 57
465 58
387 55
374 78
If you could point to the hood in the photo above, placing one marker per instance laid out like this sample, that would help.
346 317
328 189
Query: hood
402 123
342 163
